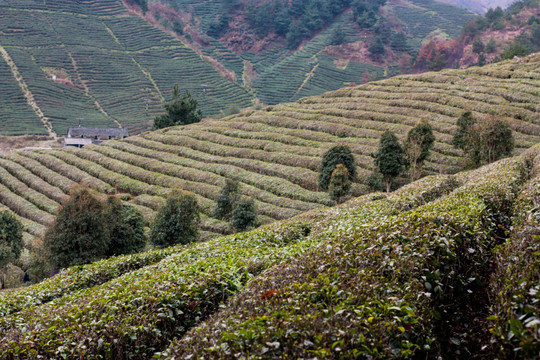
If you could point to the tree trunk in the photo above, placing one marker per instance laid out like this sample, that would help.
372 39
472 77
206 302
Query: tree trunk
388 184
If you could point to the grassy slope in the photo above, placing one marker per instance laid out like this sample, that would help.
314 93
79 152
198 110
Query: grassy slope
274 152
108 62
370 268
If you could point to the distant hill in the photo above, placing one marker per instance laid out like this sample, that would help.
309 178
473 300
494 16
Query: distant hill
275 151
102 61
498 35
480 6
64 60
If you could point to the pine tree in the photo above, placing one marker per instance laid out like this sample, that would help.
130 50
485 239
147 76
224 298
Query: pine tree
390 158
11 241
339 154
177 221
180 111
340 185
80 233
244 215
419 142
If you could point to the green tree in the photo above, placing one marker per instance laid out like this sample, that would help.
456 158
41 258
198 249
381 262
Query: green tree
478 46
390 158
79 234
467 139
227 200
244 215
491 46
339 154
418 144
126 228
481 60
515 49
496 138
340 185
376 48
11 242
177 221
180 111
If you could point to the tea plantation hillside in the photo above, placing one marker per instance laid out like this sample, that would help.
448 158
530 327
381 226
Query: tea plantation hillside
275 151
103 60
64 60
381 276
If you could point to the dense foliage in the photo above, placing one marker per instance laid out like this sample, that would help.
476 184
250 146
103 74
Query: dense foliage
339 154
244 215
340 185
487 140
80 233
87 229
227 199
180 111
419 142
11 241
390 158
177 221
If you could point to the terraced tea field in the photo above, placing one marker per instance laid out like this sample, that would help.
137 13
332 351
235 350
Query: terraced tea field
93 60
275 151
375 276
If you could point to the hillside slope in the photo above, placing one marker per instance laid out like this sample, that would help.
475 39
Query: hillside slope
104 61
379 277
275 151
64 60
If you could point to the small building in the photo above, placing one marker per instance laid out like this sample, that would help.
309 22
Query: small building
80 136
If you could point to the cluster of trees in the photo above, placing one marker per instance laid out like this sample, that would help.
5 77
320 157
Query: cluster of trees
181 110
88 229
337 171
230 206
143 4
483 141
297 20
495 19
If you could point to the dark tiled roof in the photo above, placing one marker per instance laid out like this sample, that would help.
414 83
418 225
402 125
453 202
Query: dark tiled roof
92 132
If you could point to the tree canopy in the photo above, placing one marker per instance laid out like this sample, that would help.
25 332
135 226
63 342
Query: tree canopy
177 221
418 144
340 185
87 229
181 110
390 158
244 215
11 242
339 154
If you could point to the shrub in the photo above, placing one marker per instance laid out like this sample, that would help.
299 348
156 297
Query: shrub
11 242
339 154
176 222
244 215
